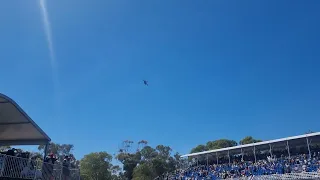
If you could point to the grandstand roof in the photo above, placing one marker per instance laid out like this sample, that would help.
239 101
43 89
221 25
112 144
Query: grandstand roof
293 140
16 127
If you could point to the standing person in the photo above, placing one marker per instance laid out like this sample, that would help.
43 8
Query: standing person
65 168
47 168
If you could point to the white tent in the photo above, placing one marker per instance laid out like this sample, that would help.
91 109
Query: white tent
16 127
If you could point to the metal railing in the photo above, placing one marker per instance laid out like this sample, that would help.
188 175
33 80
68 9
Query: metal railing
15 167
302 175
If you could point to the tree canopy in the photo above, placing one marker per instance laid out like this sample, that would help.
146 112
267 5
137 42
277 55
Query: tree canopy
223 143
136 161
96 166
217 144
249 140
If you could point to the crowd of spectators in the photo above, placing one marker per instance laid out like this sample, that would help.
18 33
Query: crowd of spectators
18 164
239 168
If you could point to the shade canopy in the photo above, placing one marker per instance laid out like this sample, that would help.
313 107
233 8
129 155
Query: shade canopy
16 127
264 145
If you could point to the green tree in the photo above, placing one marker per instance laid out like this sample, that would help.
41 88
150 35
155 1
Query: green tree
144 171
148 153
96 166
249 140
199 148
129 161
148 162
221 143
59 150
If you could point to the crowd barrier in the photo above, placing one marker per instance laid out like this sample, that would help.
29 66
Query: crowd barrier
289 176
12 167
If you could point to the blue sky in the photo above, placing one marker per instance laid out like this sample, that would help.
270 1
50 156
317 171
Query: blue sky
216 69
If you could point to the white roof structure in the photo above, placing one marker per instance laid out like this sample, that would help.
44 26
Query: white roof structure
16 127
262 145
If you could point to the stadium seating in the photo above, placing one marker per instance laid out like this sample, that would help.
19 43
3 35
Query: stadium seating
296 164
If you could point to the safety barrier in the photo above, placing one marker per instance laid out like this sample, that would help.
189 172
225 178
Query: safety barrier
289 176
15 167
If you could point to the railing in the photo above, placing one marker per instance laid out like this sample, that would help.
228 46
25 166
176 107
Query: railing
289 176
15 167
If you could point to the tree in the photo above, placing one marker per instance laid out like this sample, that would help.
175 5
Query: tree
147 153
221 143
96 166
249 140
129 161
148 162
58 149
144 171
217 144
199 148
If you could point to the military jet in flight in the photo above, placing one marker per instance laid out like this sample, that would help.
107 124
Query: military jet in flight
145 82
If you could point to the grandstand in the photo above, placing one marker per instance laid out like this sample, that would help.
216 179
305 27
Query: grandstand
296 157
17 128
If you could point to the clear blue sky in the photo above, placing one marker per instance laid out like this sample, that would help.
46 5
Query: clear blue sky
217 69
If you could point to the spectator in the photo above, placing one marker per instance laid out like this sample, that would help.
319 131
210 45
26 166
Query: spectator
47 168
65 169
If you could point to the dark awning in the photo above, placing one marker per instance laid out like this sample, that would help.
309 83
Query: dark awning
16 127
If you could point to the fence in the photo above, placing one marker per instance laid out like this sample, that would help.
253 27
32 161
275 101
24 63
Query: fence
289 176
15 167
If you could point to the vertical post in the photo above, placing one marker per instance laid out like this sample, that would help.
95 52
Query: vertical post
197 161
288 148
45 151
207 160
270 150
254 153
242 155
4 160
217 158
308 147
229 156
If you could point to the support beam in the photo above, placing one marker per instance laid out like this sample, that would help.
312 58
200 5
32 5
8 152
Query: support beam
217 158
45 151
207 160
229 156
270 150
242 155
197 161
308 144
254 153
288 148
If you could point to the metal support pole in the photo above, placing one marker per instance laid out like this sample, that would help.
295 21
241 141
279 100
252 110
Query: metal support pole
270 150
207 160
308 147
197 161
288 148
45 151
242 155
229 156
217 158
254 153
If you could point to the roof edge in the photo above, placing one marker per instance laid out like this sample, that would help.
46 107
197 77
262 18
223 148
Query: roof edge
26 116
253 144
